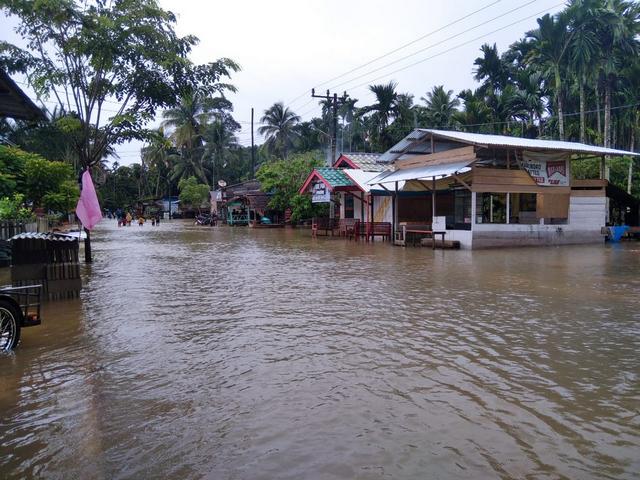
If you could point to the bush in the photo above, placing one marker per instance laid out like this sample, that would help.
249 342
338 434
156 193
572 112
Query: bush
12 208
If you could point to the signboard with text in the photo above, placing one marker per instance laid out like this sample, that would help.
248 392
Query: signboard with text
320 193
547 169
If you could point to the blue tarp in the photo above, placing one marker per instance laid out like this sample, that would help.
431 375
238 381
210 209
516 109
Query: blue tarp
617 232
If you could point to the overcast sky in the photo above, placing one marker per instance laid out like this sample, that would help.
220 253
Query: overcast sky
286 47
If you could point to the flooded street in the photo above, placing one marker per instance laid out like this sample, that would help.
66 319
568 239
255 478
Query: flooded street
232 353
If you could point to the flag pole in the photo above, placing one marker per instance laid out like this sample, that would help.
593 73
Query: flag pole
87 247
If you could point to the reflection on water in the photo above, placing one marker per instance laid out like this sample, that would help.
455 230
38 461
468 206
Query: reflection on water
201 352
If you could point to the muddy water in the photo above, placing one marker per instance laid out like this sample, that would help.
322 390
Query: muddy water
230 353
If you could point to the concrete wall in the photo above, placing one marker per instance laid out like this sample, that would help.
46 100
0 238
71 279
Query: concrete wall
465 237
586 217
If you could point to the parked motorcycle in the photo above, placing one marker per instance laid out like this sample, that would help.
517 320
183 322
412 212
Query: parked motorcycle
205 219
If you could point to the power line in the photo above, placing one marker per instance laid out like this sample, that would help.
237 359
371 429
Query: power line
422 38
391 52
454 48
436 44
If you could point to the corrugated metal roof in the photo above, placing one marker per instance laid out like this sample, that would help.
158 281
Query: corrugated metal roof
526 143
368 161
482 139
422 173
55 237
420 135
335 176
361 178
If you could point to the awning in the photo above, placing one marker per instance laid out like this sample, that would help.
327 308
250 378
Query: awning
422 173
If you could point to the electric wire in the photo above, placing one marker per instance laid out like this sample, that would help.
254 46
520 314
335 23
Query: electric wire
397 49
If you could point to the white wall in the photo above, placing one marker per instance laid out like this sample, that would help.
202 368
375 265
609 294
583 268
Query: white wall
586 213
586 216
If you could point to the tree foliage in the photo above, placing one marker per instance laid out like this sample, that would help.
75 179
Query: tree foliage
108 65
192 193
284 178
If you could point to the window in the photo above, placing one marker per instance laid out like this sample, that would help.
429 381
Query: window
492 208
462 210
348 205
522 208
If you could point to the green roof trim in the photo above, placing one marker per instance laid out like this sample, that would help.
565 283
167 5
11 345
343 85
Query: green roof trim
335 176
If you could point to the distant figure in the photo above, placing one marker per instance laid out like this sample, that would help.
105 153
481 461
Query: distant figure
128 218
140 221
157 219
153 221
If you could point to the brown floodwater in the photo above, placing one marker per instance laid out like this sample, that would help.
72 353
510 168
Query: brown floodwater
231 353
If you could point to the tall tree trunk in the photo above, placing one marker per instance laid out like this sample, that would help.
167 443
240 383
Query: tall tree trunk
598 119
607 114
583 135
631 149
559 101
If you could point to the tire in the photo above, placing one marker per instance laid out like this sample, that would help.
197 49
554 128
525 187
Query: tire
9 326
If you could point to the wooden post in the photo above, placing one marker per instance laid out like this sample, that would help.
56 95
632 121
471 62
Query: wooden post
395 207
87 247
433 200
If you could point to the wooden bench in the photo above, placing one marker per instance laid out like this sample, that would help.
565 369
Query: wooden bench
349 227
326 225
418 230
377 229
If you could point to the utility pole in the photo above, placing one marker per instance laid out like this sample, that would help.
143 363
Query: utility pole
335 102
253 153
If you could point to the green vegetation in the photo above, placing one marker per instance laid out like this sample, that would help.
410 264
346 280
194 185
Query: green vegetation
284 178
192 193
12 208
575 77
29 178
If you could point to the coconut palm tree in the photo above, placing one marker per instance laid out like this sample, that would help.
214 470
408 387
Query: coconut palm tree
441 107
220 138
549 48
617 31
584 49
385 106
278 127
186 121
475 115
156 155
491 69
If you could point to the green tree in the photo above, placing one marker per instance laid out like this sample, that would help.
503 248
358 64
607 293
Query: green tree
284 178
549 47
112 64
12 162
42 177
120 190
13 208
64 199
491 69
617 31
192 193
156 154
584 49
382 112
441 107
279 128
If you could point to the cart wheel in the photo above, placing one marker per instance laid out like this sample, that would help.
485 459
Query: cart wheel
9 326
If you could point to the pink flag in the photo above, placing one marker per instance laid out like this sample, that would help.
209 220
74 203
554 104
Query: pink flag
88 209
